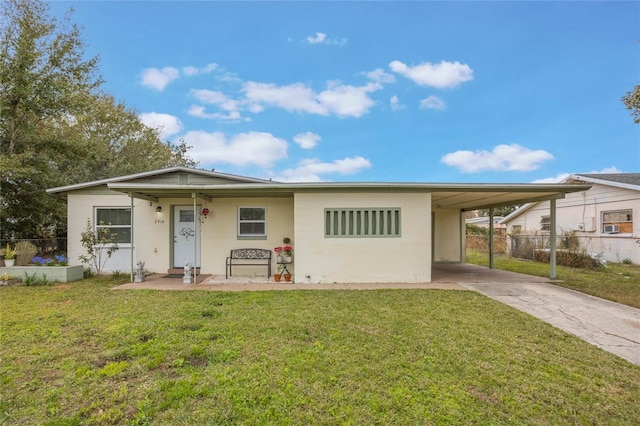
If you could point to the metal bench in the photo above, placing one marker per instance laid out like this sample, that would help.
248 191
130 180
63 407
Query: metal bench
248 257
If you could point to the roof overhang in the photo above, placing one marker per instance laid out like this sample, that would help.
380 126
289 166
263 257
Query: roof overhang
443 195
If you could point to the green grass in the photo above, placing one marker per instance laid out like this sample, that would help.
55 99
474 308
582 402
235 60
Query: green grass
615 281
81 353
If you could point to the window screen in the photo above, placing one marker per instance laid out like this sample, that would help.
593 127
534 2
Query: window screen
252 221
117 220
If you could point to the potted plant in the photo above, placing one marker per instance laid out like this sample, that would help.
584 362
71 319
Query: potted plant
278 276
287 250
9 255
287 276
279 258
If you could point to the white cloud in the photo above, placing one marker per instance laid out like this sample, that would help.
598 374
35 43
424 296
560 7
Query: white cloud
503 158
158 79
317 38
338 99
442 75
394 102
310 170
558 178
190 71
322 38
432 102
216 98
307 140
294 97
168 125
563 176
612 169
262 149
200 112
348 101
380 76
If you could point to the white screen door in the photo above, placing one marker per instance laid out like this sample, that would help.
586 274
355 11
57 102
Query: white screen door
186 236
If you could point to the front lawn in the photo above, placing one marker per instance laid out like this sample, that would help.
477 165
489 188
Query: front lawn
80 353
614 281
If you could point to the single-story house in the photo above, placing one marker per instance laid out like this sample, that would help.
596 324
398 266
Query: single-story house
600 217
483 222
340 232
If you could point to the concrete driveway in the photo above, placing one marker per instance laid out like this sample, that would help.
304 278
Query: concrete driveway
608 325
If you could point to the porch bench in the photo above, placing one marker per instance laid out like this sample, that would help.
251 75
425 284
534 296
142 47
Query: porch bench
248 257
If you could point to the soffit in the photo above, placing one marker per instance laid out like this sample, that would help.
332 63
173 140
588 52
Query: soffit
455 196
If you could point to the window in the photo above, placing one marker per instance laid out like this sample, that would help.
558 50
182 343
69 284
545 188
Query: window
252 222
362 222
614 221
545 223
516 229
117 220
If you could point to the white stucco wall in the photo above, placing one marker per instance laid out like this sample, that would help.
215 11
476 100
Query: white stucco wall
219 232
447 236
153 231
81 206
352 260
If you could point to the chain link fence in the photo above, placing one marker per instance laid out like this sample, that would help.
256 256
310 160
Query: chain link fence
617 249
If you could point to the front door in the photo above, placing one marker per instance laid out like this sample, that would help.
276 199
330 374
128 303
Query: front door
186 236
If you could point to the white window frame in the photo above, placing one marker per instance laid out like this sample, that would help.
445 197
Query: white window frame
97 225
263 235
545 223
626 212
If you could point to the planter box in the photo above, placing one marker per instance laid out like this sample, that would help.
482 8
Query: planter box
53 273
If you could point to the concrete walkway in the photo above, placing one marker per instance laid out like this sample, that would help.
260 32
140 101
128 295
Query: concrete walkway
608 325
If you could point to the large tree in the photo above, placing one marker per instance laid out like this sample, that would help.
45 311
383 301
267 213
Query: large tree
632 102
56 125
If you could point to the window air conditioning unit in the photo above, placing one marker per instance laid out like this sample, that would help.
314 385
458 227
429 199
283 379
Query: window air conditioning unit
611 229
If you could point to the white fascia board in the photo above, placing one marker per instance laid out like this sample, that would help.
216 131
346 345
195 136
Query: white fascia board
153 173
603 182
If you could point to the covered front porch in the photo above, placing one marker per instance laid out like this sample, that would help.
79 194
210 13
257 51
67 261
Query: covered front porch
444 277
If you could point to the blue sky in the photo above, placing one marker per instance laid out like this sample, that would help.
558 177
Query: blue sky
378 91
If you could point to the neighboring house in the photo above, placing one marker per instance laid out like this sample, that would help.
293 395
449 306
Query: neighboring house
605 219
341 232
483 222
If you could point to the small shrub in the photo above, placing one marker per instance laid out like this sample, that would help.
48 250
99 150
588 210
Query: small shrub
87 273
627 261
572 259
99 244
118 275
30 279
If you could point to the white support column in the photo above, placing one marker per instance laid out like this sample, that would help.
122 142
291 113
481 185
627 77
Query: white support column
491 238
552 236
196 218
132 234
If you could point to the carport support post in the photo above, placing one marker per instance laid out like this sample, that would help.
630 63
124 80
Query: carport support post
195 239
491 238
552 237
132 234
